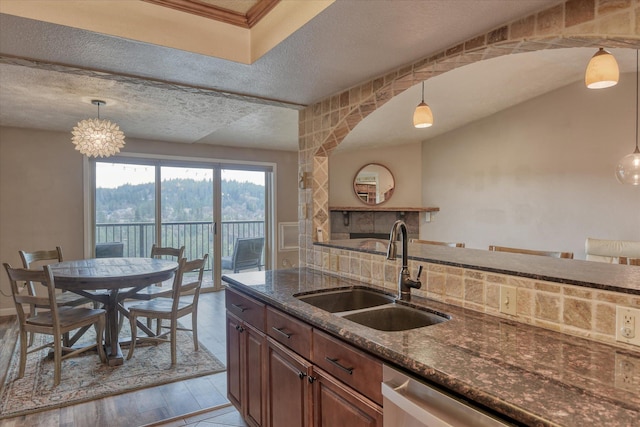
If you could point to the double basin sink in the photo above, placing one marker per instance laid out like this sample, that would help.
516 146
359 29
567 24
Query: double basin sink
373 309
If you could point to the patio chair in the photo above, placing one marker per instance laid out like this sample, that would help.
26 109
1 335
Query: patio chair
431 242
35 260
183 301
553 254
247 254
57 321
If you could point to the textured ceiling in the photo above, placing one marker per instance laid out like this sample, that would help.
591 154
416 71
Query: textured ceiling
166 94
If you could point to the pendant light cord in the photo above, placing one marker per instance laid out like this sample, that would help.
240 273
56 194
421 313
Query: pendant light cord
637 89
423 92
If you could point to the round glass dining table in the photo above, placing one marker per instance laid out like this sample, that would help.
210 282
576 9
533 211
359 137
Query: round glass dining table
110 281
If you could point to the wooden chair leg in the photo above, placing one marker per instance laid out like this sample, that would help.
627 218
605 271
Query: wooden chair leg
57 360
174 332
23 353
194 328
99 335
134 334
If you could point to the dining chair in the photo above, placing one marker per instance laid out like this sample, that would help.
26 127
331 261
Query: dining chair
183 301
610 251
432 242
37 259
629 261
163 289
247 253
553 254
56 321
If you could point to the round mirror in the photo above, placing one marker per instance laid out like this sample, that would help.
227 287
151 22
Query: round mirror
374 184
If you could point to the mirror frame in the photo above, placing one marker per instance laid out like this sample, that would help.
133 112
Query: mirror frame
356 183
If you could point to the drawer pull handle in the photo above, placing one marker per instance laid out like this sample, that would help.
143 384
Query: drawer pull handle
301 375
281 331
335 362
239 328
239 307
311 379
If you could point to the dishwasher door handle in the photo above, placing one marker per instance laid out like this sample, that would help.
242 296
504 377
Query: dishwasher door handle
415 409
428 407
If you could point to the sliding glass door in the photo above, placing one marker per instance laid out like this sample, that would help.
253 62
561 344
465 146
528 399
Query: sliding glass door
214 209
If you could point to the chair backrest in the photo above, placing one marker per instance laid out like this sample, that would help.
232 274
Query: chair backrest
629 261
247 253
553 254
602 250
166 252
40 258
185 283
432 242
17 276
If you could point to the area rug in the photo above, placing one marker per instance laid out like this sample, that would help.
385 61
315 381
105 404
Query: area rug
86 378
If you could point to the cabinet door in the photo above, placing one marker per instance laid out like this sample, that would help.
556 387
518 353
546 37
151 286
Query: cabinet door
288 389
234 362
255 346
336 405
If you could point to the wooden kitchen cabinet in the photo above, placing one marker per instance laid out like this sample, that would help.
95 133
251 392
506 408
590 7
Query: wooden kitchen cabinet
337 405
246 350
308 378
288 387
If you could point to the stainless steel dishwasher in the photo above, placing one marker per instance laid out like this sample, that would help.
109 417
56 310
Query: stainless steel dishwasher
409 402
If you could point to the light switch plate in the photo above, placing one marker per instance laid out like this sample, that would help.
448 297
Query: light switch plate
508 300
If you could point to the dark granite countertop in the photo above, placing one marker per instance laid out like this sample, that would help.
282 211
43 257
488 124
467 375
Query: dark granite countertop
598 275
532 375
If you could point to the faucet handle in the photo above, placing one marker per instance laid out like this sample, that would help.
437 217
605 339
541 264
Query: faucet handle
419 272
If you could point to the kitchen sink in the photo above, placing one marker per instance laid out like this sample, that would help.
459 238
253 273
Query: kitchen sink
395 318
373 309
346 299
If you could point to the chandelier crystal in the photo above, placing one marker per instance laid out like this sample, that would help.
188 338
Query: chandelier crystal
97 137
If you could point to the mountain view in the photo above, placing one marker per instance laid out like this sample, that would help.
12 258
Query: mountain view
183 200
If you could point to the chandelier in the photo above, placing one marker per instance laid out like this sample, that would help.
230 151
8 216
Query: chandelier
96 137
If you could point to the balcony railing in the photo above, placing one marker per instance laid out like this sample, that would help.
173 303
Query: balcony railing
196 236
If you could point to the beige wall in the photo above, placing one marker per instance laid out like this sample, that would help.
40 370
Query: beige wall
403 161
539 175
41 190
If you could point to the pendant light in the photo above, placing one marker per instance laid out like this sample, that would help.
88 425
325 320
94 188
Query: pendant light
95 137
628 170
602 71
422 117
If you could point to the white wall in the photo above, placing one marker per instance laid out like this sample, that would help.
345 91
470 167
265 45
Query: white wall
539 175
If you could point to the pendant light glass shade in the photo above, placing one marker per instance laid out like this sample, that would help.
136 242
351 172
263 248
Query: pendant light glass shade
422 117
628 169
96 137
602 71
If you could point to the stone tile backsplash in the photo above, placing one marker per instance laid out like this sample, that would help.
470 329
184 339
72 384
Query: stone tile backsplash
574 310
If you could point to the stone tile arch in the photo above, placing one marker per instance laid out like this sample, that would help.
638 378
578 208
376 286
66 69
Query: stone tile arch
324 125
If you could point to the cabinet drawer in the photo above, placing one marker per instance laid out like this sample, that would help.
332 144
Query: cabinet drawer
289 331
355 368
245 308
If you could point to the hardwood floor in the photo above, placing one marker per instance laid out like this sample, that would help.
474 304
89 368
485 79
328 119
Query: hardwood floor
199 401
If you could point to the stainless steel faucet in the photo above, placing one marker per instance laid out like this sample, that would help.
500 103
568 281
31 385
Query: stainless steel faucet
405 282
